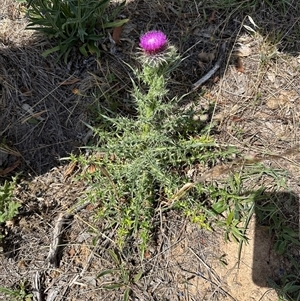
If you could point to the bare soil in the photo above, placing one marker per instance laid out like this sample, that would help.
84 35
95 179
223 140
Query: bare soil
46 105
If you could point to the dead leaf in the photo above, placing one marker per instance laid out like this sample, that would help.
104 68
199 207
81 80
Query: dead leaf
212 17
76 91
22 264
271 77
117 34
71 252
236 118
70 169
89 207
91 168
239 65
147 255
216 79
9 169
273 103
55 273
281 100
25 92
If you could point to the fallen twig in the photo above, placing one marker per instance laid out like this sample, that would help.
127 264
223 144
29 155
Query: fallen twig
58 230
211 72
55 244
37 290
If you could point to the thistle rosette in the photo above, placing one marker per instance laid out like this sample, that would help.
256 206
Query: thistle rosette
156 50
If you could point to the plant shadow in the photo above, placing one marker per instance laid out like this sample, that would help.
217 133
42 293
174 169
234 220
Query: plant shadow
276 257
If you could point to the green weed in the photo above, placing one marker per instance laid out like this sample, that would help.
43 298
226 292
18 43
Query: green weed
73 23
8 207
125 278
139 163
19 294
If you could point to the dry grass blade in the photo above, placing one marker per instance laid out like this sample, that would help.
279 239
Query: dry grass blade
6 171
219 170
37 289
8 150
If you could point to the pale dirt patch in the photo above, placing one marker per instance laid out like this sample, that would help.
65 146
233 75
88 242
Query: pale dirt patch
247 281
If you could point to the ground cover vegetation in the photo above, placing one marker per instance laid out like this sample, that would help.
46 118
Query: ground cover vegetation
152 151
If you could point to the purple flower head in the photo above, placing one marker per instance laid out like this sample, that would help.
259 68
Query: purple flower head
153 42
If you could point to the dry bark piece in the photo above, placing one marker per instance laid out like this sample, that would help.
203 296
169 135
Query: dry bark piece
117 34
239 65
58 230
212 18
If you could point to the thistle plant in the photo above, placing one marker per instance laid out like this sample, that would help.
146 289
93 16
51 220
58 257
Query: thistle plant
142 158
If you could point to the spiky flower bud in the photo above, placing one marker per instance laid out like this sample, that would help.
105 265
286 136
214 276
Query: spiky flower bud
153 42
154 45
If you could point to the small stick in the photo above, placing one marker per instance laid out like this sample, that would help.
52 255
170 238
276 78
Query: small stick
211 72
55 244
37 290
52 294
